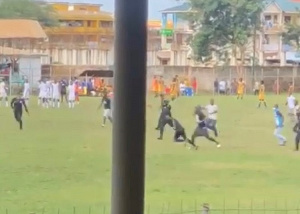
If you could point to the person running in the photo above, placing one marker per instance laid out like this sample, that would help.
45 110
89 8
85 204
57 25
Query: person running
261 94
107 114
201 129
211 122
17 105
279 121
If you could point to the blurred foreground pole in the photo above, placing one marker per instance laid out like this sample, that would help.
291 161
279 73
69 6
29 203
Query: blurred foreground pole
128 159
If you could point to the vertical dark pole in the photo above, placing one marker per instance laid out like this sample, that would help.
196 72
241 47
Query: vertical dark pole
128 160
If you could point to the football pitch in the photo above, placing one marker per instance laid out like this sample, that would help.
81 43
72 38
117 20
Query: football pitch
61 161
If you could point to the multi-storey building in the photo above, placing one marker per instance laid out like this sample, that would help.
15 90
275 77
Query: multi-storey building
84 35
275 17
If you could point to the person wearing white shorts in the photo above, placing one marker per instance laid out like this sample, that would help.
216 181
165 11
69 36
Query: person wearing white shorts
3 93
71 95
26 92
55 94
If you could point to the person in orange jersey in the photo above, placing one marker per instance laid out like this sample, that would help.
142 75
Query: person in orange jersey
77 91
173 89
240 88
291 88
155 86
161 85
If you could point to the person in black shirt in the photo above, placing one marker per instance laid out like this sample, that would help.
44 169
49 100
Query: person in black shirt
17 105
63 91
165 106
106 103
164 119
296 129
179 135
201 129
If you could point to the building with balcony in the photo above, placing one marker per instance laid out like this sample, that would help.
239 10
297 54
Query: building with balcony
84 35
276 15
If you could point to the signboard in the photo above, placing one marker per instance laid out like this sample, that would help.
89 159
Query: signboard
166 32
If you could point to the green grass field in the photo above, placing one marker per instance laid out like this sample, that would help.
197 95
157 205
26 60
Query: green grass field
62 160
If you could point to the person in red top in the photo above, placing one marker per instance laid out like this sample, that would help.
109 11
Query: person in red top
195 85
77 91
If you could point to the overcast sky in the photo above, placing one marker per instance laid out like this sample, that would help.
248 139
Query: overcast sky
154 5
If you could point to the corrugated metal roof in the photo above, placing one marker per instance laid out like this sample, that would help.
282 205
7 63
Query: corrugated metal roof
181 8
288 5
21 29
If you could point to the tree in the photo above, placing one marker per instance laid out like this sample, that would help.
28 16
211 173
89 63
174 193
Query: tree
224 26
292 35
28 9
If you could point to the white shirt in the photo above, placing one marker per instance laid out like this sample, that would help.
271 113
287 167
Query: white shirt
26 86
43 87
55 87
291 102
182 87
222 86
2 87
71 89
212 111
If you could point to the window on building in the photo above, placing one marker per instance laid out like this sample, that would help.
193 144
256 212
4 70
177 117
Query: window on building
106 24
287 19
268 18
275 19
164 62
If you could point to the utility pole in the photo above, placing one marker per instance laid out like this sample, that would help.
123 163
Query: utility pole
128 149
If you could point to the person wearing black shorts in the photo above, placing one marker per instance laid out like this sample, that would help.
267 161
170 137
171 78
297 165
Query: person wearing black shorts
201 129
17 105
179 135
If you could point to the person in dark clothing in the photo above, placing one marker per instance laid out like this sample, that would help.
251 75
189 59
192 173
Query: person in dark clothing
201 129
17 105
63 91
296 129
179 135
165 106
107 114
164 118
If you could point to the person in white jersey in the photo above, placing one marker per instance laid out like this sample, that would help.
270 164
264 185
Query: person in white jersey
3 93
55 94
290 102
26 92
49 92
212 113
71 94
40 99
44 92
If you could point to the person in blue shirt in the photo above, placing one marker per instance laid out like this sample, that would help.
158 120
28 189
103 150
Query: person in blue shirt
279 120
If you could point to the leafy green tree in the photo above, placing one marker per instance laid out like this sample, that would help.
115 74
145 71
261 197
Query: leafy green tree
292 35
28 9
224 26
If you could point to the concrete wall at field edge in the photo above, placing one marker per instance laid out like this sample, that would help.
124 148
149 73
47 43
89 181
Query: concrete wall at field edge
206 76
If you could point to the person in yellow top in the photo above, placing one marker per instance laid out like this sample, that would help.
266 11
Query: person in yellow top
161 86
261 94
173 89
291 88
240 88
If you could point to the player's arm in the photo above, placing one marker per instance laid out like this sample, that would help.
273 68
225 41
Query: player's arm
295 129
12 102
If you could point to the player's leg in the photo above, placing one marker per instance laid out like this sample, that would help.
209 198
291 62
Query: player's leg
297 140
204 133
212 125
18 117
281 139
163 123
110 116
158 123
194 136
6 101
